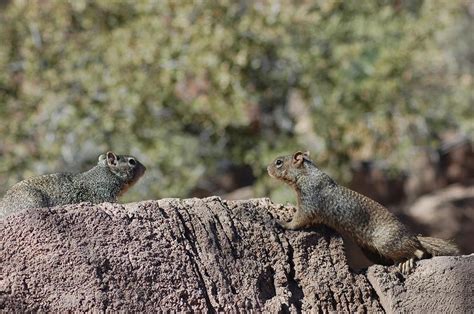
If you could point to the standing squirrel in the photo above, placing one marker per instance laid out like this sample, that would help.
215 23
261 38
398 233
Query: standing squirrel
380 235
111 177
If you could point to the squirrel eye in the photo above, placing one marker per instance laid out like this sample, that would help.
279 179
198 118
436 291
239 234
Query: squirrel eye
132 162
279 163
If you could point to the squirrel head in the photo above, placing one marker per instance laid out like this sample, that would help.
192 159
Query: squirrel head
125 167
288 168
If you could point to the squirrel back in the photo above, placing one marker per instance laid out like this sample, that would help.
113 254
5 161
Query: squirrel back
380 235
111 177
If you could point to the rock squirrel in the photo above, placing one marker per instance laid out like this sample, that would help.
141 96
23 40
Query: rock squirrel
380 235
111 177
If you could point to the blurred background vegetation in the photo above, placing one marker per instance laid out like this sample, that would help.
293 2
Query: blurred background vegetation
206 94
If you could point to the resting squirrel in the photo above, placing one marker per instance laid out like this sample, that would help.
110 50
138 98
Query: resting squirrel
380 235
111 177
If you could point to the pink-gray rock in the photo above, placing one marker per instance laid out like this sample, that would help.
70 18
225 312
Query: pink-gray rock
439 285
194 255
186 255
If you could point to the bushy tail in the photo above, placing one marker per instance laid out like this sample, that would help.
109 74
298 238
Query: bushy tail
436 247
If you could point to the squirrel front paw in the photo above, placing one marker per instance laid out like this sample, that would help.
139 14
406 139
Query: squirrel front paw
289 225
281 224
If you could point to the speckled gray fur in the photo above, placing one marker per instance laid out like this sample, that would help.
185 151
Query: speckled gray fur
382 237
110 178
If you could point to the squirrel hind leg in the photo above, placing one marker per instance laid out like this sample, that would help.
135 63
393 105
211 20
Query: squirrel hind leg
20 199
30 198
376 257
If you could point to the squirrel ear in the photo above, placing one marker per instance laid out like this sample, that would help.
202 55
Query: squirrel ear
101 157
111 159
298 158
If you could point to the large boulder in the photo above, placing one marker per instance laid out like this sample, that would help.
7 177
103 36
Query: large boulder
172 254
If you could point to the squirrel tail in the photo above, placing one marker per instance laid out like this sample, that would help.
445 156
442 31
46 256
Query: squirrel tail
436 247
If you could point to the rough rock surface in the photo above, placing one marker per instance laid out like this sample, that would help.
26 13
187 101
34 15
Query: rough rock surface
196 255
173 254
439 285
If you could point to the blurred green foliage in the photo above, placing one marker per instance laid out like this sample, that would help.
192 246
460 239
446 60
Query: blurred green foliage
185 86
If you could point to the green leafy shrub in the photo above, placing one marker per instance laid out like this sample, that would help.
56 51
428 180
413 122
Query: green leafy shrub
185 86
